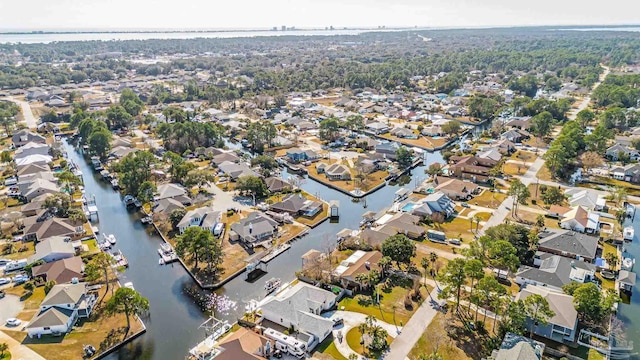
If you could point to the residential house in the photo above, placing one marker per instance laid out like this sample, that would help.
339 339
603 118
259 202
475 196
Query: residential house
629 172
31 148
296 204
615 150
516 347
40 230
491 153
377 128
298 155
403 133
626 281
276 184
119 152
555 271
435 203
336 171
235 171
456 189
366 142
60 309
563 325
515 135
167 205
374 237
32 169
432 130
387 149
224 157
254 228
504 146
173 191
569 244
586 198
33 159
401 223
52 249
471 168
300 307
522 123
242 344
61 271
205 218
23 137
35 206
34 188
581 220
360 262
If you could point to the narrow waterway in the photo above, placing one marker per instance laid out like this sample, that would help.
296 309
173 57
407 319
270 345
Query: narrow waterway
630 313
173 326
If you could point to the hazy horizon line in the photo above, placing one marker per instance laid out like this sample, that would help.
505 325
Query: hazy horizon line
290 28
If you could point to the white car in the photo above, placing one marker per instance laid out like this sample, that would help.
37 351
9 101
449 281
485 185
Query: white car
4 281
13 322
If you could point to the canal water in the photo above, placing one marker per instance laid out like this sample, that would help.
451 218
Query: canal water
630 313
173 326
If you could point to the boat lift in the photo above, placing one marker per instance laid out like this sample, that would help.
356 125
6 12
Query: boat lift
611 347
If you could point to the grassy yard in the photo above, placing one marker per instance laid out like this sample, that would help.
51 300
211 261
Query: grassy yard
488 199
531 218
374 179
421 141
458 228
434 339
514 168
327 350
29 250
523 155
384 311
92 244
353 338
483 215
98 330
544 174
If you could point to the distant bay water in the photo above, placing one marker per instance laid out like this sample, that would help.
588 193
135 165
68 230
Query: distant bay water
45 38
631 29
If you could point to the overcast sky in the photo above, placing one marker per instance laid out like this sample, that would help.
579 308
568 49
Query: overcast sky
180 14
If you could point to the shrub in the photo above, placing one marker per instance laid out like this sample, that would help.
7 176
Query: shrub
29 286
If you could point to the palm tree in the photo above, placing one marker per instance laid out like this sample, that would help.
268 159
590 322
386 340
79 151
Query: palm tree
362 329
433 258
425 266
538 310
384 264
619 195
362 279
477 220
612 260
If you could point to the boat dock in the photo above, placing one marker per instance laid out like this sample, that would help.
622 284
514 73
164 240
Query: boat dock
275 252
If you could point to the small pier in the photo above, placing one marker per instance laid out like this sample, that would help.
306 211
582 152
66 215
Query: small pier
275 252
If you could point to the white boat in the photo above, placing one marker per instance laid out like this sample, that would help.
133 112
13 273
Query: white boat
167 254
627 263
271 285
628 233
129 285
110 238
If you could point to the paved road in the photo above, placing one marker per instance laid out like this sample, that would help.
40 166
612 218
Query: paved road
17 350
351 320
587 99
27 115
413 330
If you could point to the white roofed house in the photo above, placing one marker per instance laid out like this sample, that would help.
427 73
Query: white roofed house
204 217
53 248
235 171
60 309
434 203
31 148
301 307
581 220
586 198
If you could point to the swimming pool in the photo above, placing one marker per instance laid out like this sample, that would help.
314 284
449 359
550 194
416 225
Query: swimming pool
408 207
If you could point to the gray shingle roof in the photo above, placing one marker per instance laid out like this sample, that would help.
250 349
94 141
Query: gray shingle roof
64 294
569 241
555 270
53 316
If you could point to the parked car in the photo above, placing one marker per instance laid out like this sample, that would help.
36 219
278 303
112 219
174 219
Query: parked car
19 279
464 204
454 241
338 321
4 281
2 294
13 322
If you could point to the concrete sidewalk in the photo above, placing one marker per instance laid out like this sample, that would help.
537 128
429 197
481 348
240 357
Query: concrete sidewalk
414 329
17 350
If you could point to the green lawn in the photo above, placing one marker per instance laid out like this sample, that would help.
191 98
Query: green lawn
384 311
92 244
328 348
